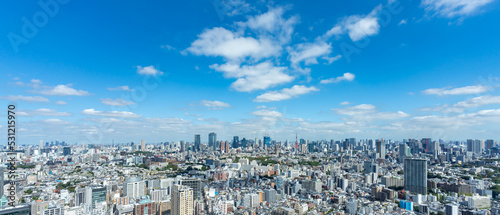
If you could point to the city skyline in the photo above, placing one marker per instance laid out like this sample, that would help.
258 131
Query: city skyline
333 70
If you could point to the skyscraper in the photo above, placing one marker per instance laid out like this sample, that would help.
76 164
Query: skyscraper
212 139
404 152
267 141
67 150
236 142
426 144
197 142
244 143
475 145
182 200
143 145
489 144
381 149
415 175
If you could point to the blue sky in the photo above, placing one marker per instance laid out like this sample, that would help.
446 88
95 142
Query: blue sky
97 71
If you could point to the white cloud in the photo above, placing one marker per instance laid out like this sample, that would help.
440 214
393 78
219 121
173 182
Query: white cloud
62 90
478 101
148 70
255 77
454 8
464 105
232 7
167 47
216 105
404 21
345 77
456 91
345 103
356 110
273 24
286 93
25 98
332 59
114 114
117 102
44 112
220 42
357 26
309 52
61 102
120 88
267 113
368 112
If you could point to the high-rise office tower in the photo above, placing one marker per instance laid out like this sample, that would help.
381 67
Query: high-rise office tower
236 142
197 142
182 200
222 146
426 144
212 139
434 148
267 141
415 175
183 146
475 145
143 145
381 149
243 143
489 144
226 149
66 150
404 152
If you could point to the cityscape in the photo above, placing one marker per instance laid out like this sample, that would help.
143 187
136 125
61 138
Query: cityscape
240 107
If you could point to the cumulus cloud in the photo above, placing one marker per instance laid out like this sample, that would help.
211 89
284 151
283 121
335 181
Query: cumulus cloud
216 105
120 88
357 26
255 77
61 102
309 52
25 98
220 42
267 113
148 70
117 102
62 90
286 93
454 8
114 114
456 91
273 24
346 77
